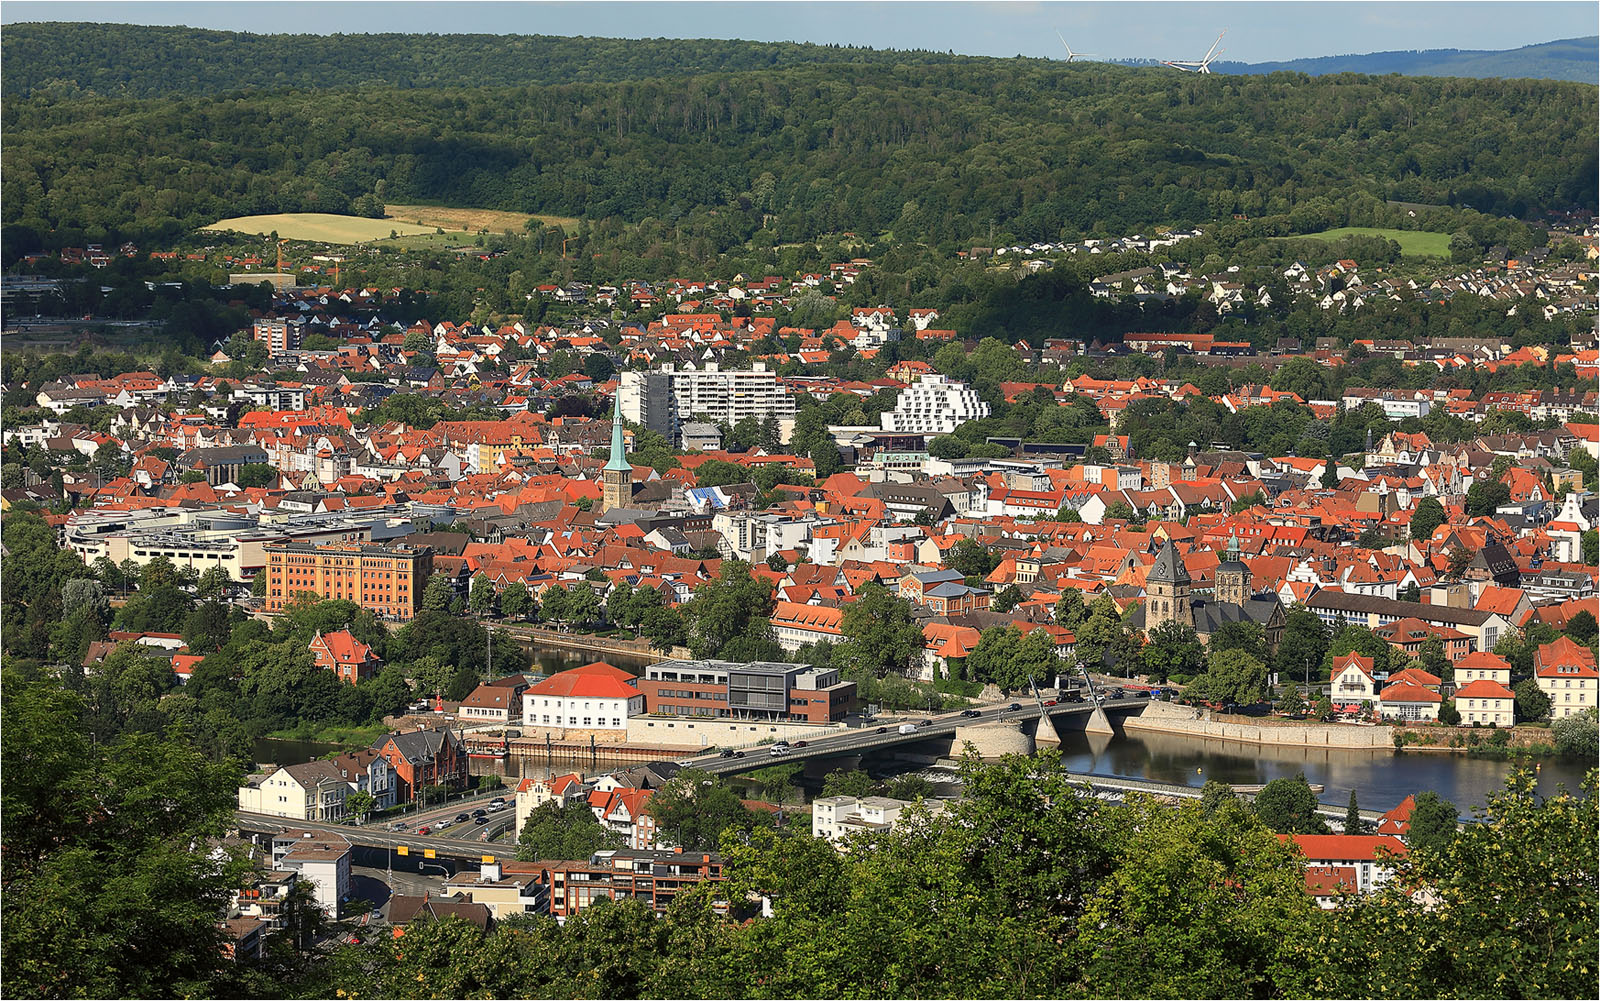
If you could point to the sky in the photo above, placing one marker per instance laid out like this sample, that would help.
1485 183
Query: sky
1256 31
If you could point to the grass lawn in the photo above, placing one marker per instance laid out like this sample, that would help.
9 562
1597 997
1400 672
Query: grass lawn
473 220
319 227
1413 243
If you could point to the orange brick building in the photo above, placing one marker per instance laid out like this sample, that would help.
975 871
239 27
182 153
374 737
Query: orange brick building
387 581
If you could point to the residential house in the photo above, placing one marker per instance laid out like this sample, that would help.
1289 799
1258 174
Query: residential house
423 758
312 790
350 660
320 858
1487 702
1566 672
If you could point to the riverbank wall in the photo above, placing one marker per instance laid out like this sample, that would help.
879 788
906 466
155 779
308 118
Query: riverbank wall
636 649
1164 717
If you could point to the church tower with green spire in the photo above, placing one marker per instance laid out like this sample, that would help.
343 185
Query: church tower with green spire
616 479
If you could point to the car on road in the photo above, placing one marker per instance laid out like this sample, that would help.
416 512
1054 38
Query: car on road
1049 702
883 729
461 818
1013 707
799 743
726 752
970 713
778 750
425 829
780 743
480 815
738 754
399 825
498 803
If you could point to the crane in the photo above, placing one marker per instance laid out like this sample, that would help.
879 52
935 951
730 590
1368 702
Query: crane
280 256
1199 65
1071 55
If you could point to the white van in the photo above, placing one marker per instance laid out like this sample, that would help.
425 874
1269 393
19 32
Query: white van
908 728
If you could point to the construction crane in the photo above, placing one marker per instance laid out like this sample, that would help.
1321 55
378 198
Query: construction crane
280 257
1199 65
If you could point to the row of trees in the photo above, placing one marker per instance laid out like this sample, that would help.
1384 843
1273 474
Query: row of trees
1029 886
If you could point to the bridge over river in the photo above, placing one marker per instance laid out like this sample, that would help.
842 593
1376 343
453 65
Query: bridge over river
939 731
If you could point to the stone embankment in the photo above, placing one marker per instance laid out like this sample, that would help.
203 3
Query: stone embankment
1164 717
992 740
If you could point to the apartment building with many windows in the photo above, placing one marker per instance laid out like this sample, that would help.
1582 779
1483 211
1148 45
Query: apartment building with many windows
934 405
664 399
386 580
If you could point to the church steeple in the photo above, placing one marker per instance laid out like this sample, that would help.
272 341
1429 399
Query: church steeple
616 479
1167 590
619 451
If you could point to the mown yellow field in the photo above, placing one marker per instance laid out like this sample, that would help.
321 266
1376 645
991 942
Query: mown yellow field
472 220
321 227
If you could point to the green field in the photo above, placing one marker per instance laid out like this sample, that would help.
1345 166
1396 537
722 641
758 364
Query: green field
1413 243
321 227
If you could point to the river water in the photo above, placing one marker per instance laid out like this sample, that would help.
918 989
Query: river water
1380 778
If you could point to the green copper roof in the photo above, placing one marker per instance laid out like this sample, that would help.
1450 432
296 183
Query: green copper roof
619 452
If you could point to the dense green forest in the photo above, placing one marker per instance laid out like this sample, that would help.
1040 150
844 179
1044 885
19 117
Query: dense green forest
922 152
63 59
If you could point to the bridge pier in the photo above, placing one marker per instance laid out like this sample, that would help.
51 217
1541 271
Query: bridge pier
1098 723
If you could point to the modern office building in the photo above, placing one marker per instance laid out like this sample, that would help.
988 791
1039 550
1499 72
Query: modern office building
720 689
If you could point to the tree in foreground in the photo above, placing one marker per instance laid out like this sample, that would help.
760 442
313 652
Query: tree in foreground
1353 824
1288 806
110 887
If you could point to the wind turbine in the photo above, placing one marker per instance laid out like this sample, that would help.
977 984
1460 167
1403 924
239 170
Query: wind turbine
1199 65
1071 55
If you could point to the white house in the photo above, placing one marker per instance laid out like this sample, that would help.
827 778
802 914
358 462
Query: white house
1406 701
1481 665
313 790
593 700
322 859
1353 680
835 818
1486 702
1360 852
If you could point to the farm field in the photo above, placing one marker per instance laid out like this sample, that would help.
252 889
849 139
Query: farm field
319 227
1413 243
472 220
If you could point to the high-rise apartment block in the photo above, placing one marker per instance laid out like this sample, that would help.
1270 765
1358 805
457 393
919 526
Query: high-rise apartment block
280 334
664 399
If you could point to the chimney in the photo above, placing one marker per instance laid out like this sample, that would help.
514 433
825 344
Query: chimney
490 872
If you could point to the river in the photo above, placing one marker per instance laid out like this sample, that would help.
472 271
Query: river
1380 778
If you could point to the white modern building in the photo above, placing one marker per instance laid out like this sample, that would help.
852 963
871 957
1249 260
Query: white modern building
662 400
322 859
835 818
934 405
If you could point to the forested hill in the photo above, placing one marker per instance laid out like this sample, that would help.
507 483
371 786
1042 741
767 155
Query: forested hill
1575 59
936 153
64 59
